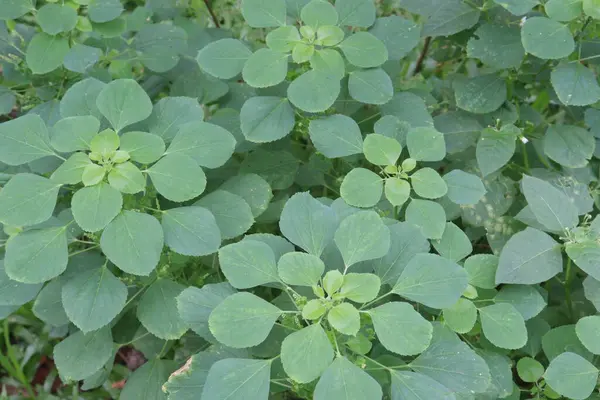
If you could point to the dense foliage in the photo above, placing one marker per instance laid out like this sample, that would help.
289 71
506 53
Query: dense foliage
301 199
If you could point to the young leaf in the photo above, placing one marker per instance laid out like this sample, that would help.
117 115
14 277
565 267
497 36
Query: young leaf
80 355
461 317
27 200
126 178
248 264
123 102
283 39
427 183
306 353
177 177
224 58
529 369
427 215
397 191
381 150
336 136
329 61
238 379
157 310
144 148
360 288
362 236
343 380
345 319
300 269
546 38
571 376
362 188
314 91
232 213
550 207
266 119
94 207
503 326
191 231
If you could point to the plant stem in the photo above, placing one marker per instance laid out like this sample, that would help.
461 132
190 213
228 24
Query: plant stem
19 374
421 59
212 14
568 277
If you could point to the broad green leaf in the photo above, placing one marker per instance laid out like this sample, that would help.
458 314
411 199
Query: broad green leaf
454 244
159 46
81 58
461 317
571 376
314 91
238 379
397 191
550 207
123 102
157 310
450 17
526 299
146 382
12 9
588 332
243 320
177 177
575 84
92 299
590 8
300 269
400 328
333 281
427 183
343 380
503 326
104 10
317 13
253 189
464 188
144 148
74 133
399 35
426 144
360 13
195 305
360 288
264 13
427 215
517 7
381 150
410 385
80 99
24 139
48 304
208 144
283 39
191 231
127 178
461 130
278 244
546 38
45 53
266 118
536 330
302 52
498 46
27 199
362 188
501 372
329 61
232 213
265 68
13 293
410 109
54 18
105 143
248 263
586 256
170 113
371 86
481 269
432 280
496 148
345 319
306 354
591 289
94 207
563 338
568 145
336 136
529 369
364 50
133 242
530 256
80 355
92 174
362 236
481 94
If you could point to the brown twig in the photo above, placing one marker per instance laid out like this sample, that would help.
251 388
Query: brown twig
212 14
421 59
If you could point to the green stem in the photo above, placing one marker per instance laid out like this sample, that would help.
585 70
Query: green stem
568 277
18 371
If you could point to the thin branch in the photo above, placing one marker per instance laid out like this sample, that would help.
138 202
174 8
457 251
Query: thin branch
421 59
212 14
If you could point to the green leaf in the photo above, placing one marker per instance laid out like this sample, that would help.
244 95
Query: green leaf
343 380
248 263
399 35
371 86
253 189
283 39
481 269
426 144
177 177
529 370
360 288
92 174
105 143
157 310
238 379
526 299
266 118
427 215
133 242
503 326
432 280
94 207
314 91
302 52
54 18
13 293
306 354
104 10
23 140
80 355
344 318
264 13
123 102
80 58
572 376
454 244
359 13
168 115
74 133
191 231
361 188
464 188
265 68
570 146
300 269
481 94
450 17
127 178
550 206
575 84
92 299
585 255
243 320
400 328
45 53
48 305
80 99
588 330
159 46
381 150
12 9
144 148
517 7
496 148
461 317
501 372
209 145
410 385
498 46
336 136
364 50
328 61
146 381
546 38
362 236
561 339
427 183
27 200
397 191
319 13
232 213
224 58
590 8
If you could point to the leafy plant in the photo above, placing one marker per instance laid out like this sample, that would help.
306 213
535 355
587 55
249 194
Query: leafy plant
300 199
